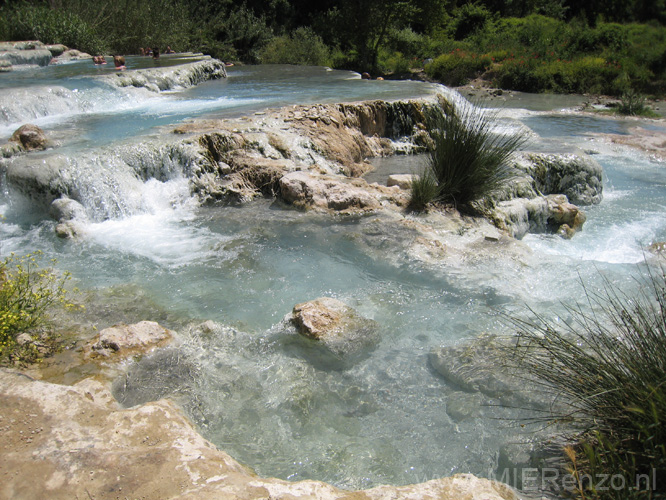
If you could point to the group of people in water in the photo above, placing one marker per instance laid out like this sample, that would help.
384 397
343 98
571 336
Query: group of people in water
119 61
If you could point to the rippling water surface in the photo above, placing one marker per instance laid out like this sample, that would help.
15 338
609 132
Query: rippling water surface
247 381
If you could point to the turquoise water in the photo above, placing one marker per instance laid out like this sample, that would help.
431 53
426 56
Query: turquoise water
251 385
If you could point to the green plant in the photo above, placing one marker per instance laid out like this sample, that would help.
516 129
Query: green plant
633 104
468 158
608 367
303 46
39 22
28 296
425 190
458 67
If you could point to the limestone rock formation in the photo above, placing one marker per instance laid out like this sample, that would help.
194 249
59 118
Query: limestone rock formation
542 214
579 178
65 442
127 339
308 191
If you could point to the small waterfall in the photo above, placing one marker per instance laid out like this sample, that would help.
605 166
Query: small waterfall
109 183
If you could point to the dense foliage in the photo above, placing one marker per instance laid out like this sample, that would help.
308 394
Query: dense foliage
28 296
609 367
609 46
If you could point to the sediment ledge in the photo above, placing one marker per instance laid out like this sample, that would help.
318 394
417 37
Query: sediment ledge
65 442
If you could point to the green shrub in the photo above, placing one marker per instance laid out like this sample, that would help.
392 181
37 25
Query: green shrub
39 22
607 365
303 46
394 63
28 295
634 104
467 20
458 67
468 159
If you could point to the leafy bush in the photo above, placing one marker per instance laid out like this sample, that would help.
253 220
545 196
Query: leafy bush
468 159
458 67
467 20
608 366
39 22
303 46
28 295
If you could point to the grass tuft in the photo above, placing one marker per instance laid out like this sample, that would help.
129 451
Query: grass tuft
609 369
469 159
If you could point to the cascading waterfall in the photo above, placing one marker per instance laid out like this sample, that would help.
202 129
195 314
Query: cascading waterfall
225 277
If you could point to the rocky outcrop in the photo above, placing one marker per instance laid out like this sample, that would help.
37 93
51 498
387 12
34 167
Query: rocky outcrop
25 53
66 442
125 340
542 214
161 79
545 194
577 177
308 191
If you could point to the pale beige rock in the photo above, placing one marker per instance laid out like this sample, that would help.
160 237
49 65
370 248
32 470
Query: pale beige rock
403 181
62 443
126 339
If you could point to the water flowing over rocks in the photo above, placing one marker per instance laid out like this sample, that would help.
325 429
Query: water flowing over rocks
543 196
25 53
307 156
161 79
75 442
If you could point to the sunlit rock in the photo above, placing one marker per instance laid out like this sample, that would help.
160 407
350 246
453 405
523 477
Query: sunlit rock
403 181
335 325
75 442
125 339
542 214
308 191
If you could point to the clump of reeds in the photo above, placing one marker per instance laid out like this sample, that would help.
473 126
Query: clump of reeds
608 365
468 159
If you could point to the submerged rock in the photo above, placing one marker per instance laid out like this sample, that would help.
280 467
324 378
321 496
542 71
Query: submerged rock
481 366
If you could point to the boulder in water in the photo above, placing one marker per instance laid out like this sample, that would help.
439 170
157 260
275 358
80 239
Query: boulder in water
126 339
30 137
335 325
65 209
